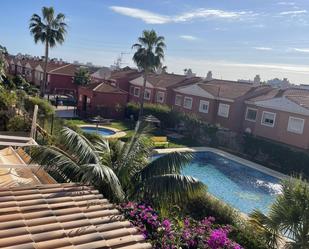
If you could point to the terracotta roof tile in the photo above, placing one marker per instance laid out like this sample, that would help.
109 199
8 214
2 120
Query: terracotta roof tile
104 87
63 216
228 89
298 96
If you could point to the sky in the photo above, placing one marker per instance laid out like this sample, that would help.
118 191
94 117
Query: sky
234 39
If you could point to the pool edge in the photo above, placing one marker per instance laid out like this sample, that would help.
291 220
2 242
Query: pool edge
227 155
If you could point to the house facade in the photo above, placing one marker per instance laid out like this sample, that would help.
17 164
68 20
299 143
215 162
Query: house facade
159 87
102 99
281 115
217 102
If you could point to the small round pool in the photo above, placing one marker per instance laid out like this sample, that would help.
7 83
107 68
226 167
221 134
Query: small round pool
100 130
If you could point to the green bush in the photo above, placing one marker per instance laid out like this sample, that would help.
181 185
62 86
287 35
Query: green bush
206 205
277 156
162 112
242 232
45 107
18 123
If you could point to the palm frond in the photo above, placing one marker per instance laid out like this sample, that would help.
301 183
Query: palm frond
53 159
79 146
96 174
170 188
267 227
171 163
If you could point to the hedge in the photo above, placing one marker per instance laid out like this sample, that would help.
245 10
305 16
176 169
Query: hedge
45 107
196 128
279 157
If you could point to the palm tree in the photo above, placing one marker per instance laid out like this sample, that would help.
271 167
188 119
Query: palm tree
288 216
49 29
148 57
3 51
116 167
82 77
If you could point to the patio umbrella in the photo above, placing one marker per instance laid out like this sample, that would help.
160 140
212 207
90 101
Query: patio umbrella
152 119
97 119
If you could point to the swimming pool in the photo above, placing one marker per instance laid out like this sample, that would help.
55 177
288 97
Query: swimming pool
100 130
241 186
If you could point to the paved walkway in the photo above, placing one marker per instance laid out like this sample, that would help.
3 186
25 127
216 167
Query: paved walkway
65 112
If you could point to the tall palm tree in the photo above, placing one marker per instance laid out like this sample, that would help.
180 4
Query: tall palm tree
3 51
49 29
148 57
116 167
288 216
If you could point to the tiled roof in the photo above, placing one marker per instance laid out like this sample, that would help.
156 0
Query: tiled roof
66 69
66 216
104 88
228 89
165 79
129 74
298 96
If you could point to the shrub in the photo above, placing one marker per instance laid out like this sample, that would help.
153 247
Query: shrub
45 107
207 205
162 112
18 123
242 232
172 233
277 156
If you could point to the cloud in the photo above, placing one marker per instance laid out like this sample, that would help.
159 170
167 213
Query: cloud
301 50
146 16
263 48
286 3
237 70
201 13
293 12
188 37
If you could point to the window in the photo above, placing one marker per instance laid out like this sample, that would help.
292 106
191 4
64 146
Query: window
147 94
160 97
268 119
178 99
136 91
223 110
80 97
296 125
204 106
187 103
251 114
132 90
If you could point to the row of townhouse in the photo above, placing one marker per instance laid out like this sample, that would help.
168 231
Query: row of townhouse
60 75
281 115
272 113
277 114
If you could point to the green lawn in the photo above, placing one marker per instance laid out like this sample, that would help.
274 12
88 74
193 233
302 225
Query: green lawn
126 126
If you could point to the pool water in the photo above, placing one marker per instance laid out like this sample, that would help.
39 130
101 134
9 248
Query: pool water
242 187
101 131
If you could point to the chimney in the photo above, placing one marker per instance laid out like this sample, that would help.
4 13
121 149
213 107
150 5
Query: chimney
257 80
209 75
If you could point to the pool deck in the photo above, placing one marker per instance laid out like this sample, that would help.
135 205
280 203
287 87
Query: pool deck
228 156
118 133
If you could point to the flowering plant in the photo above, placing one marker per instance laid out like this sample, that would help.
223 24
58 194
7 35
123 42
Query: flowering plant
169 234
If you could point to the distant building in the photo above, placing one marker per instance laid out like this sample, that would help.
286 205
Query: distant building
209 76
276 82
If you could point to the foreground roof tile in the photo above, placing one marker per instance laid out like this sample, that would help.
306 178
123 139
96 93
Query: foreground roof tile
66 216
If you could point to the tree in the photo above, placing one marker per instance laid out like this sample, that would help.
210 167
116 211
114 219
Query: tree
288 216
3 51
115 167
82 77
148 57
49 29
